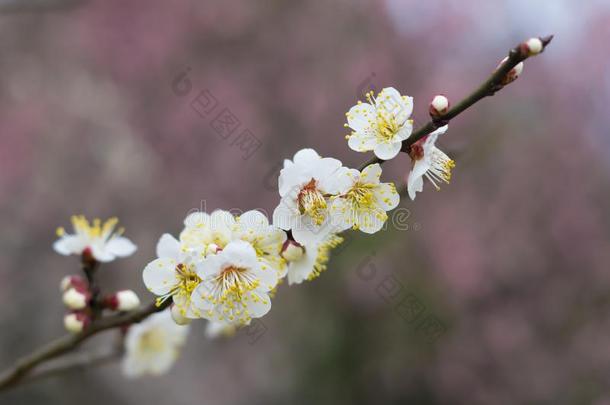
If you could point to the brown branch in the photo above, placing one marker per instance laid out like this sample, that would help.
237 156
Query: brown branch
488 88
26 364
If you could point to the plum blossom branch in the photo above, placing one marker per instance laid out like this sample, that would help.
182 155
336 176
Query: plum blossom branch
250 281
489 87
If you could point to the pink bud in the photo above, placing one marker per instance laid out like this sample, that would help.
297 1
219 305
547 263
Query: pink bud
76 322
75 299
532 46
125 300
73 282
512 74
438 106
292 250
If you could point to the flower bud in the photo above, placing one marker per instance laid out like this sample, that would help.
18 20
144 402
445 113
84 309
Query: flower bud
438 106
75 299
532 46
512 74
211 249
125 300
292 250
178 317
76 322
72 282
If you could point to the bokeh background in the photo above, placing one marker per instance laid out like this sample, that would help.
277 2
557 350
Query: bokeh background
504 274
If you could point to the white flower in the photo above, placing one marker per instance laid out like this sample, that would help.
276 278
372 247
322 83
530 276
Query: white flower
97 239
314 259
428 161
381 124
267 240
206 233
172 275
215 330
304 185
363 200
152 346
234 286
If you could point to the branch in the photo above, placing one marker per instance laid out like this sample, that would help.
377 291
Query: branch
26 364
488 88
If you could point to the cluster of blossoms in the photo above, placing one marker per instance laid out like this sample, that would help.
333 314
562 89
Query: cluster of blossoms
226 268
93 242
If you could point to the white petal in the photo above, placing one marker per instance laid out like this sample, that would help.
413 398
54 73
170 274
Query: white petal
197 219
362 141
160 276
387 197
404 132
258 304
370 222
415 182
121 246
253 220
285 214
342 214
371 174
360 116
387 151
390 103
340 182
101 254
70 245
168 246
431 138
306 157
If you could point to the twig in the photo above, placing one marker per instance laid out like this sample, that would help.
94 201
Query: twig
64 344
488 88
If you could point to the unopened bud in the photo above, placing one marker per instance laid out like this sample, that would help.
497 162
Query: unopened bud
125 300
76 322
292 251
72 282
532 46
212 248
75 299
438 106
178 317
512 74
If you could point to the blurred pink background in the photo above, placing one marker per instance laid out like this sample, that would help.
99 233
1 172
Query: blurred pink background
512 258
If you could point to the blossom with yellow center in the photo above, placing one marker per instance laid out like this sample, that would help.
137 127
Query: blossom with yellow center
305 184
173 276
429 161
99 239
381 124
234 287
152 346
363 200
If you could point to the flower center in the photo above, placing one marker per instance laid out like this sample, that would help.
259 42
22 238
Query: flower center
440 169
234 280
312 202
188 279
152 341
361 195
